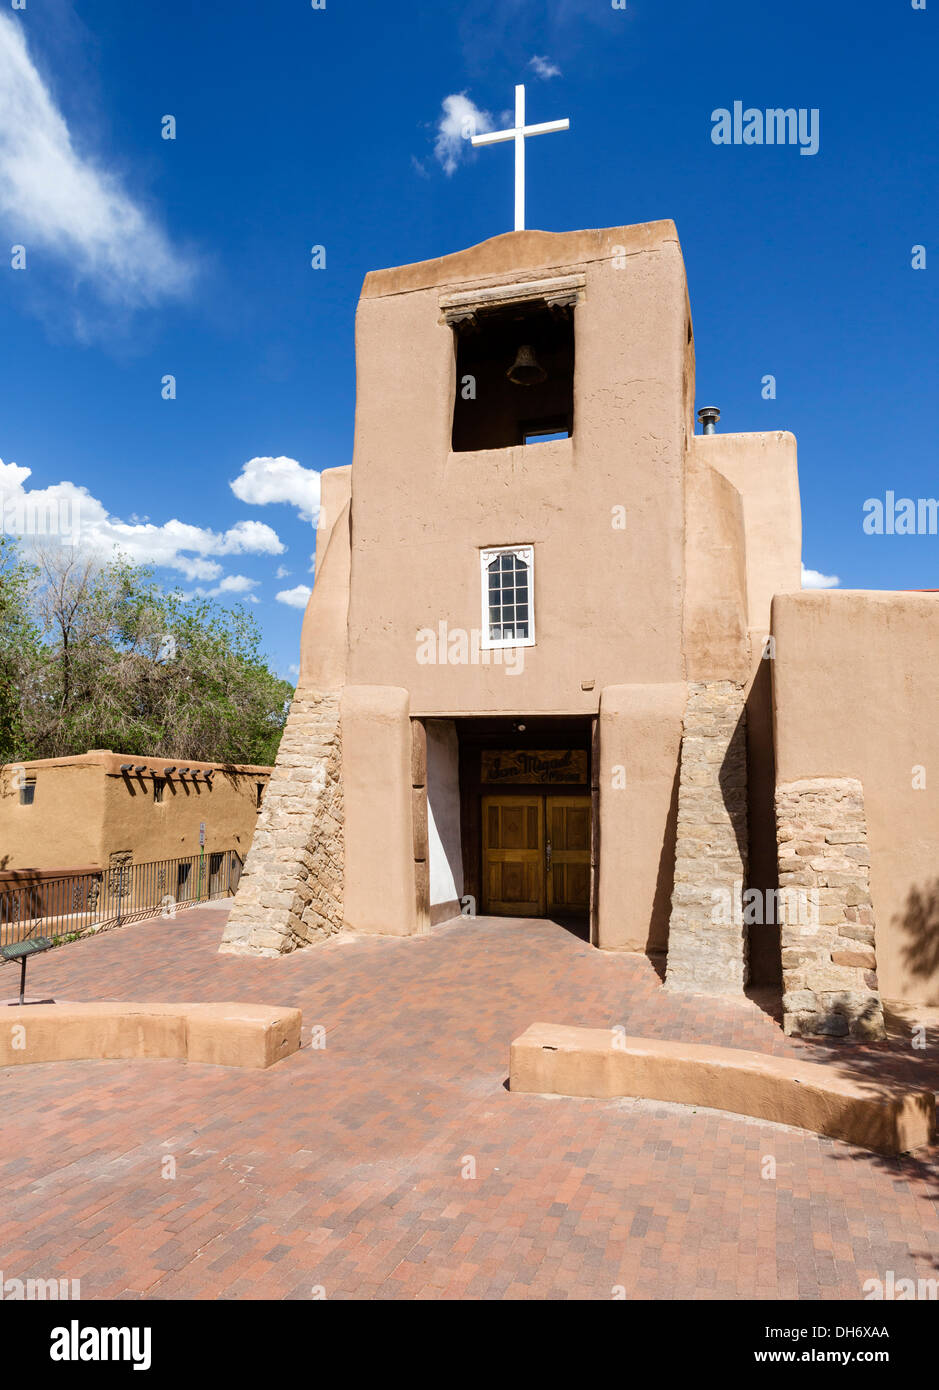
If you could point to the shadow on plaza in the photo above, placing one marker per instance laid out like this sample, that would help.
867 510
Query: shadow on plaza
910 1057
884 1068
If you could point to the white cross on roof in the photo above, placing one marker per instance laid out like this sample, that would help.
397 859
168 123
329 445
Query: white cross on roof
518 133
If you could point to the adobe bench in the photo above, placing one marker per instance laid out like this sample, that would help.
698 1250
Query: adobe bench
556 1059
230 1035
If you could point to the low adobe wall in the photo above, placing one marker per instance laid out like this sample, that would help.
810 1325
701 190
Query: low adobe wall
29 878
30 894
230 1035
855 694
554 1059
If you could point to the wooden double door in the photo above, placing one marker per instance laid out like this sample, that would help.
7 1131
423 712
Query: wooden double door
536 855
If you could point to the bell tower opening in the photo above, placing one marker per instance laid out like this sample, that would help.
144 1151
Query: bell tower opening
514 376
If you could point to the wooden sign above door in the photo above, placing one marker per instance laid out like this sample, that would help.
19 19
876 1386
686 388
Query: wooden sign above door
534 766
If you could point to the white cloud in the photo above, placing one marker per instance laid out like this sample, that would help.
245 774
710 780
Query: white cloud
814 579
250 538
461 119
264 480
543 67
67 513
12 477
236 584
295 598
281 572
56 198
231 584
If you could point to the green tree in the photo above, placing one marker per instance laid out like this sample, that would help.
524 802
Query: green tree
125 665
19 648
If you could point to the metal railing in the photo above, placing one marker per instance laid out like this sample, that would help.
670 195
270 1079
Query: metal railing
76 903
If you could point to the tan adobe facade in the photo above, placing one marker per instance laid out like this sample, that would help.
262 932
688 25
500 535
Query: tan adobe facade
93 808
557 660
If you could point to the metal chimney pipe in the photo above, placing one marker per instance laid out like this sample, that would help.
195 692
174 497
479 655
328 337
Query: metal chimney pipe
709 416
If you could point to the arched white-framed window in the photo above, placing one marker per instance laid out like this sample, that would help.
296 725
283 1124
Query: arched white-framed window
508 594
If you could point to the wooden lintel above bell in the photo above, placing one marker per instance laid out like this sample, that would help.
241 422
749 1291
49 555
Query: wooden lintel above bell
561 305
462 319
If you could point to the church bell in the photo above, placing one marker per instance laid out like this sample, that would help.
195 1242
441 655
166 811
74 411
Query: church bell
526 370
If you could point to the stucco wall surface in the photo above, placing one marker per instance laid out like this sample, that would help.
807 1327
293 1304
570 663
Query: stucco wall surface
856 690
608 599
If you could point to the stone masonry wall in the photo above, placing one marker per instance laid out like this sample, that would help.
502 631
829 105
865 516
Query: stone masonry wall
707 941
828 959
290 894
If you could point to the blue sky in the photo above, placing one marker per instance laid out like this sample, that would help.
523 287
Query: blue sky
297 127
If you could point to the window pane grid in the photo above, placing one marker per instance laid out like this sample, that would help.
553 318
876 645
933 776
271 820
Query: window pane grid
508 599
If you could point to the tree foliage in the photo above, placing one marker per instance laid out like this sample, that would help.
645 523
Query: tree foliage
99 656
19 645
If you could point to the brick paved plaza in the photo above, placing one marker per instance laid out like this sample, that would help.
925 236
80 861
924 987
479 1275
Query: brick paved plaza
342 1168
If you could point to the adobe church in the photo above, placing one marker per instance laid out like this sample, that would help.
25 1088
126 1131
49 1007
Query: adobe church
557 661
